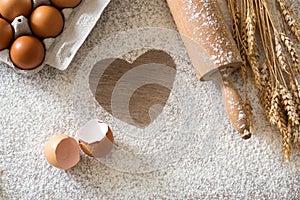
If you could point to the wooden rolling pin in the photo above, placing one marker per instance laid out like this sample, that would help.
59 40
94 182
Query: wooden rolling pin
212 51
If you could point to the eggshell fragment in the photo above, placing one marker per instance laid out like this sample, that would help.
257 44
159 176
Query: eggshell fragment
6 34
10 9
96 139
62 152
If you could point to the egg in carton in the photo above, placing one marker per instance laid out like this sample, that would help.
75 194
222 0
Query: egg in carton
59 47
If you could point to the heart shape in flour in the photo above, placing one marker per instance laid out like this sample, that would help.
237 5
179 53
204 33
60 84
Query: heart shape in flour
136 92
119 92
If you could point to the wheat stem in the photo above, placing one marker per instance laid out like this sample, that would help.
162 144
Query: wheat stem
289 18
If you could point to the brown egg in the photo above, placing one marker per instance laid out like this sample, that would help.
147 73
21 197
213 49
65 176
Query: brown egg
27 52
62 152
65 3
10 9
46 21
6 34
96 139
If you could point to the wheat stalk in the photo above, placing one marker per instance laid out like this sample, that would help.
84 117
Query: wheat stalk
280 54
277 117
233 5
273 113
250 22
265 75
298 88
296 141
249 28
290 18
276 78
292 52
284 115
287 141
266 96
289 105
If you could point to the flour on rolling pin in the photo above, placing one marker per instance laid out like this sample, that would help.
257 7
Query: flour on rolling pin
206 28
61 50
212 51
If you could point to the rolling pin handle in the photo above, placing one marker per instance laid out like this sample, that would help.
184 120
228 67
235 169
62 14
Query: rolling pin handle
234 106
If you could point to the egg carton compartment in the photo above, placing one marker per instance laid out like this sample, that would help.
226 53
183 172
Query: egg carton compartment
61 50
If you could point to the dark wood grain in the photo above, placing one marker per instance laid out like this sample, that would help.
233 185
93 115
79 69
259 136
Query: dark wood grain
149 96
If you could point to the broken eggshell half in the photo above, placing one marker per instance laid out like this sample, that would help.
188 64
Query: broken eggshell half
62 151
96 139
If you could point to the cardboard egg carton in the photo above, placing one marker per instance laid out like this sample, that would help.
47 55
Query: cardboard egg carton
61 50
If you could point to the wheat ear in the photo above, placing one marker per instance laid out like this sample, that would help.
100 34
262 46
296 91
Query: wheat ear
273 114
292 52
250 42
280 54
289 105
276 117
234 9
296 132
290 18
266 96
287 140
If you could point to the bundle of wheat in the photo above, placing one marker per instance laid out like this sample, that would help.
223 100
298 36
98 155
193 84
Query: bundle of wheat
274 65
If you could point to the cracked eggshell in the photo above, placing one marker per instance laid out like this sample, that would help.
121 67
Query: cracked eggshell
62 152
96 139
